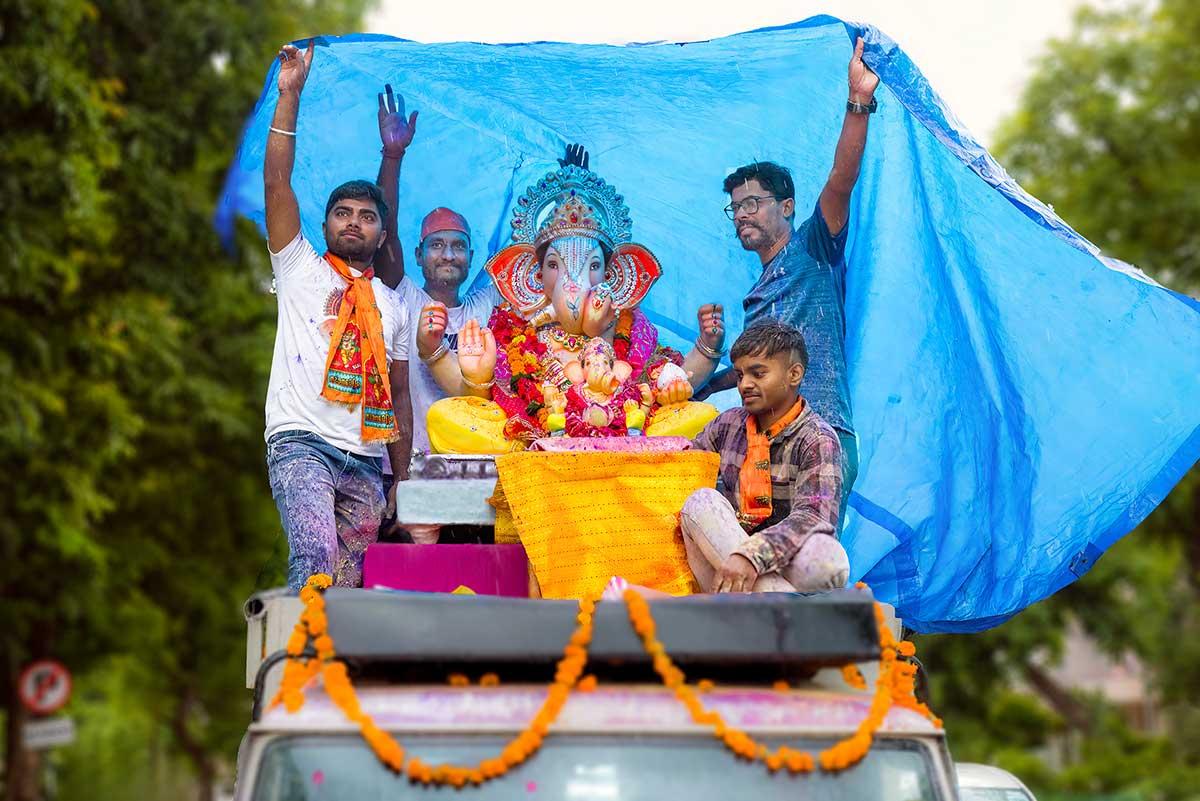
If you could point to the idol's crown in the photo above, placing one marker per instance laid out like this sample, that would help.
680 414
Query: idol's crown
572 217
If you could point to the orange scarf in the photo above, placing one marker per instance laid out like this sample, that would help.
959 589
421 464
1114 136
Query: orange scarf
754 480
356 368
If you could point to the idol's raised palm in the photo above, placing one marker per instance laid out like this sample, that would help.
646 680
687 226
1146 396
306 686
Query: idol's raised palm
476 353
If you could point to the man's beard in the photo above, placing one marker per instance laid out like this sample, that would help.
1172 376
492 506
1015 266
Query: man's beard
447 274
351 249
757 238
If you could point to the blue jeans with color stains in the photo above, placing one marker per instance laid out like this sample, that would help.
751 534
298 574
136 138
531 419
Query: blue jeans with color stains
330 503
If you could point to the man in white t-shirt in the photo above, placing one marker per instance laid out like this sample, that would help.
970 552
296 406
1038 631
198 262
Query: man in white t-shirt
443 254
338 391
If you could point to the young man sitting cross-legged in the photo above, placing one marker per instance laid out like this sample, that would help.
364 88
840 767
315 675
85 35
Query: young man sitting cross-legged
771 524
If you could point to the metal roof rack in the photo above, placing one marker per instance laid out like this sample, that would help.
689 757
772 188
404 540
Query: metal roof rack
400 636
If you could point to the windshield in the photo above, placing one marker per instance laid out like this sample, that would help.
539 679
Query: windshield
590 768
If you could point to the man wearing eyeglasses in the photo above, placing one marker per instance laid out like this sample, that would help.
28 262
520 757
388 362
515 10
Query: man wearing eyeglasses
803 282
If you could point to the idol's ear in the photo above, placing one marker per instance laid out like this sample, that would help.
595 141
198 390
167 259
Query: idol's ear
518 276
631 272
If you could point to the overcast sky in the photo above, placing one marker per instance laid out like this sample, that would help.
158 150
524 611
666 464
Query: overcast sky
977 54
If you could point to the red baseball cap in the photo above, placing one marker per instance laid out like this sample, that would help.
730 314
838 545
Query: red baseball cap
444 219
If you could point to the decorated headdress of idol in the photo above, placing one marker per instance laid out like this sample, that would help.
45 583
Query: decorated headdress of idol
571 232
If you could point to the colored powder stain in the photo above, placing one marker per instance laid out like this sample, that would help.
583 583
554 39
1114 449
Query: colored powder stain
318 777
531 787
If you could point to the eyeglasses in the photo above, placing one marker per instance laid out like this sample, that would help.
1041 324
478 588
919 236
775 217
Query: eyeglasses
750 204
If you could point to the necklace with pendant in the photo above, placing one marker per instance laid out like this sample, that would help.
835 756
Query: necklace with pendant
568 342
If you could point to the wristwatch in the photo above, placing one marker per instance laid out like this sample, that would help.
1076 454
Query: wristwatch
859 108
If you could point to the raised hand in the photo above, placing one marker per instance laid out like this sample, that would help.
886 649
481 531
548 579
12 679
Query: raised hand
293 68
431 327
476 353
598 311
395 130
711 318
862 80
577 155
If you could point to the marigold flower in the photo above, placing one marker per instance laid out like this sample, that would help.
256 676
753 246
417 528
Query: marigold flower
319 581
854 677
297 640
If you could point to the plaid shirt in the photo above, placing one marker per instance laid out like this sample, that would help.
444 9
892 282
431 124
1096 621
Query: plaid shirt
806 482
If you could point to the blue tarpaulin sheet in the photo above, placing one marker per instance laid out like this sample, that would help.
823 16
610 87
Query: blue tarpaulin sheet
1021 402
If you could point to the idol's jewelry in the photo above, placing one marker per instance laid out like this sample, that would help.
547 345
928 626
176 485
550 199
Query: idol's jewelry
473 385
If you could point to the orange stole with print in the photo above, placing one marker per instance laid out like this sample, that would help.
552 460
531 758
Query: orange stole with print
754 479
356 368
584 517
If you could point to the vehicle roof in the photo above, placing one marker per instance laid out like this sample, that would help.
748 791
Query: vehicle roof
973 774
701 632
618 708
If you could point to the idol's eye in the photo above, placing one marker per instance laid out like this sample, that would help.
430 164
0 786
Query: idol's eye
595 265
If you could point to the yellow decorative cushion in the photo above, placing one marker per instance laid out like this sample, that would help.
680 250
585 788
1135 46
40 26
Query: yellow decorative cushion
685 419
468 425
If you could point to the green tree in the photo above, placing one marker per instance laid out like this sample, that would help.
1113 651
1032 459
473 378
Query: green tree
136 515
1108 132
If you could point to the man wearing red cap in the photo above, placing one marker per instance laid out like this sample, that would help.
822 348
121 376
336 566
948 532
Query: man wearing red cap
443 254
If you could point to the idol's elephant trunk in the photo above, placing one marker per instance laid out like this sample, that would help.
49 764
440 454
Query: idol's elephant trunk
568 292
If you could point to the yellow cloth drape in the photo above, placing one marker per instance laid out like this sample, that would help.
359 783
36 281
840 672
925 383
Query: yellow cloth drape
586 517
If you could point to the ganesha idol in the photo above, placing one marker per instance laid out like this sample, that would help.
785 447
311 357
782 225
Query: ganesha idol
568 353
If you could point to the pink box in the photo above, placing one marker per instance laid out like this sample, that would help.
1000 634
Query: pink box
486 569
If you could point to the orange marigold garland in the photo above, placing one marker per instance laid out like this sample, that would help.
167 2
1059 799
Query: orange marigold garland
341 691
895 686
740 743
854 677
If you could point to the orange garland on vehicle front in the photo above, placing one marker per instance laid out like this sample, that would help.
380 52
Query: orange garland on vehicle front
894 687
298 673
